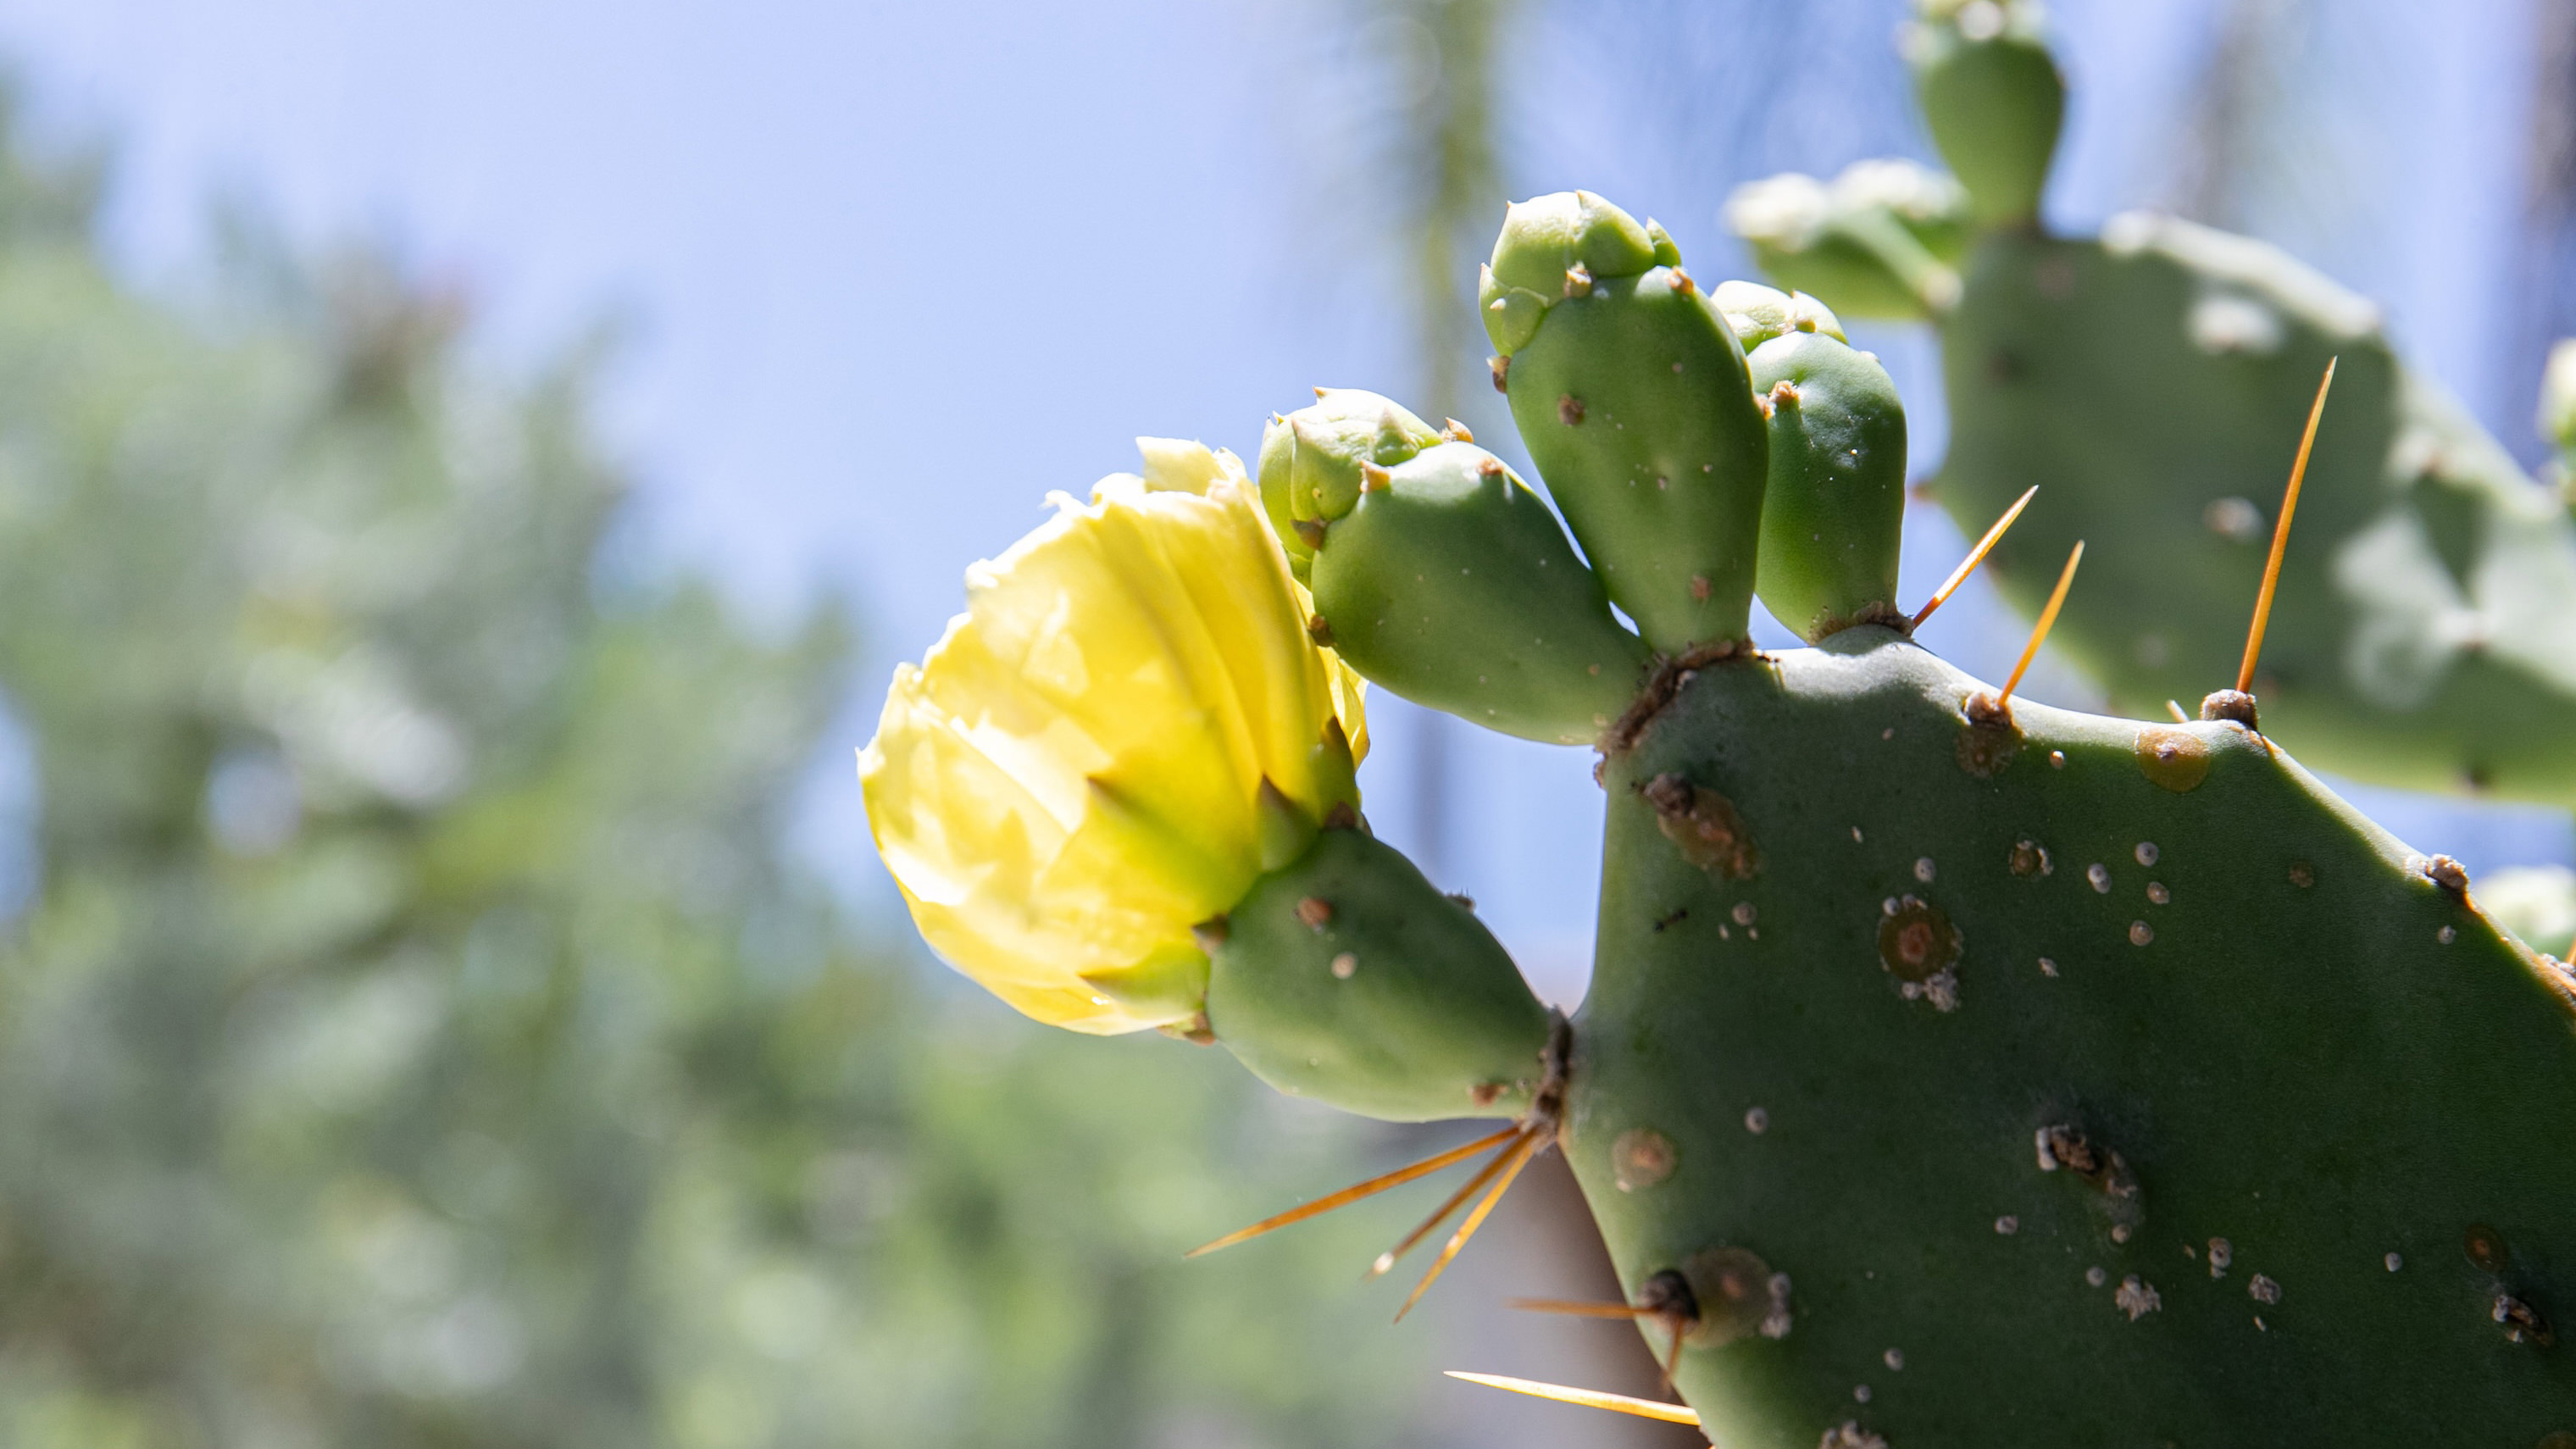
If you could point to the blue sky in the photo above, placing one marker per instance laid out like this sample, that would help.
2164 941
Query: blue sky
895 271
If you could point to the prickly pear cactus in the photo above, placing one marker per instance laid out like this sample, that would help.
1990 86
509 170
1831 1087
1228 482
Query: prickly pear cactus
1956 1071
2151 380
2075 1081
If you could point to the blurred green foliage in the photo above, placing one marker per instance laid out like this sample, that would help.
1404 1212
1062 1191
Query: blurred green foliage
410 1030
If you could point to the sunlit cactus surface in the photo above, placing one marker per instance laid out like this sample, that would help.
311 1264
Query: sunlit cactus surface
1956 1070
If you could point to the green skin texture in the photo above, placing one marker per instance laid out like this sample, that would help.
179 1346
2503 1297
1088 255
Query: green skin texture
2292 1035
2309 1073
1310 460
1834 266
1432 1010
1455 587
1881 258
1547 236
1833 515
1661 479
1994 107
1870 260
1759 314
2424 634
2073 366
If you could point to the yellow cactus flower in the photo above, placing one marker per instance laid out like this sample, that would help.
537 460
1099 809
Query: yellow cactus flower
1074 776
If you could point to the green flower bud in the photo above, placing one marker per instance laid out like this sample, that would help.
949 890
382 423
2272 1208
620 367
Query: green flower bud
1316 460
1453 585
1347 978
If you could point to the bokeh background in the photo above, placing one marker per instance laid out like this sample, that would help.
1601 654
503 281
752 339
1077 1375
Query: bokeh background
467 467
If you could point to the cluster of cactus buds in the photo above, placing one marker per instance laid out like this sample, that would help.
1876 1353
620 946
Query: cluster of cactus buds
1955 1069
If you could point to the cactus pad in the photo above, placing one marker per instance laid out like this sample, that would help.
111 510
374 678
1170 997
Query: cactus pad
2272 1050
1630 392
2425 633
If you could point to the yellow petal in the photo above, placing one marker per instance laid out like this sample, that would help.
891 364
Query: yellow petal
1184 466
1067 783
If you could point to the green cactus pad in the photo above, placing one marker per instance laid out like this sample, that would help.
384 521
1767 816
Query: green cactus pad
2156 382
2425 630
1347 978
1993 98
1881 241
2096 1082
2424 634
1453 585
1833 515
1931 205
1633 400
